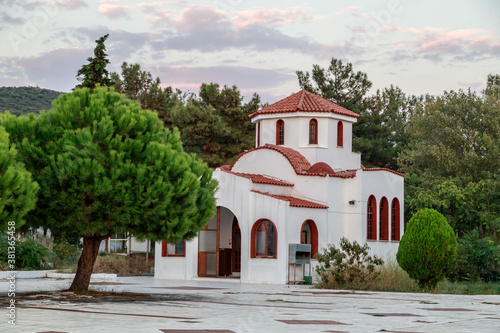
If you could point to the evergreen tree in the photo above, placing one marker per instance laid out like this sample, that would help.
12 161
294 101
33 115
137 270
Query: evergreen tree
17 189
428 248
213 124
381 128
105 165
139 85
239 133
95 71
338 83
454 136
380 132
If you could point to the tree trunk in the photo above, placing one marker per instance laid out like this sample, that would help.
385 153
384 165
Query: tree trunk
86 262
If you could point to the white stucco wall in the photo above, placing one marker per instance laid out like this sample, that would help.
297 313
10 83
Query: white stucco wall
177 267
382 184
297 137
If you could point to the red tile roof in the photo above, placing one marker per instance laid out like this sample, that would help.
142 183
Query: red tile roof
260 179
304 101
383 169
340 174
323 169
296 159
299 163
295 202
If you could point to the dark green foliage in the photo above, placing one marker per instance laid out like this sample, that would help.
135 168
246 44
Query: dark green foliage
380 132
338 83
110 166
475 259
139 85
428 248
66 254
346 267
95 72
456 135
18 191
214 124
24 100
31 256
452 159
105 165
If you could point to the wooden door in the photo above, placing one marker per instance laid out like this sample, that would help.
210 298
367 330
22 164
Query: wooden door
208 246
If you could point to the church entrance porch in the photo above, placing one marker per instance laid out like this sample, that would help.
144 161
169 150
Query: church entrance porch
219 246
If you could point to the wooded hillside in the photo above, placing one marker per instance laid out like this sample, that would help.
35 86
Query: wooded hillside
23 100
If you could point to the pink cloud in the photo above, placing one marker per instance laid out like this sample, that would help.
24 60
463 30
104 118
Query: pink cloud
436 41
272 17
198 17
114 11
389 28
413 31
72 4
148 7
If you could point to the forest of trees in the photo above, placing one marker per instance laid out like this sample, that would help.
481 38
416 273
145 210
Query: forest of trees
24 100
448 146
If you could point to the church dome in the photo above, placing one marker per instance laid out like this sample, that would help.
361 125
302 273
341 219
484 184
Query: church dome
321 167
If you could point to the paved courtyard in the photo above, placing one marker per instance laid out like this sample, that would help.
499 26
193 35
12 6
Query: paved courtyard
225 306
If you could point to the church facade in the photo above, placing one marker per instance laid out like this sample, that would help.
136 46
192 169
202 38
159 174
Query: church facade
301 184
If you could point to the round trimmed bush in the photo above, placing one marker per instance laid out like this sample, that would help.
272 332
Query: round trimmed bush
428 248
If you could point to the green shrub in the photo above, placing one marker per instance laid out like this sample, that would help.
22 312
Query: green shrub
476 259
4 246
67 254
31 255
428 248
347 267
103 254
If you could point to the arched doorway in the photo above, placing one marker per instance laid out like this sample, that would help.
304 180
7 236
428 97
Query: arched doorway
236 249
219 246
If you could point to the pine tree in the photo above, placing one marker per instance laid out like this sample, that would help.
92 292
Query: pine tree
105 165
95 71
17 189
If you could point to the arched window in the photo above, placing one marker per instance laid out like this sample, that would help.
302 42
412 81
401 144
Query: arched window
280 132
313 131
371 219
264 242
395 230
384 219
340 134
309 235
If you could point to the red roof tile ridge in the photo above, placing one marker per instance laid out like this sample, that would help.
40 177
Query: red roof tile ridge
383 169
295 202
304 101
260 179
298 162
299 107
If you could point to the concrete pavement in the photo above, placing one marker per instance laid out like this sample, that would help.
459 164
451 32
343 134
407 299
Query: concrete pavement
210 305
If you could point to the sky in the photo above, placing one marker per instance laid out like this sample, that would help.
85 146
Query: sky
423 47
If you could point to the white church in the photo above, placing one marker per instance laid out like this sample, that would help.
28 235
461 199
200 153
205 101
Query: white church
301 184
